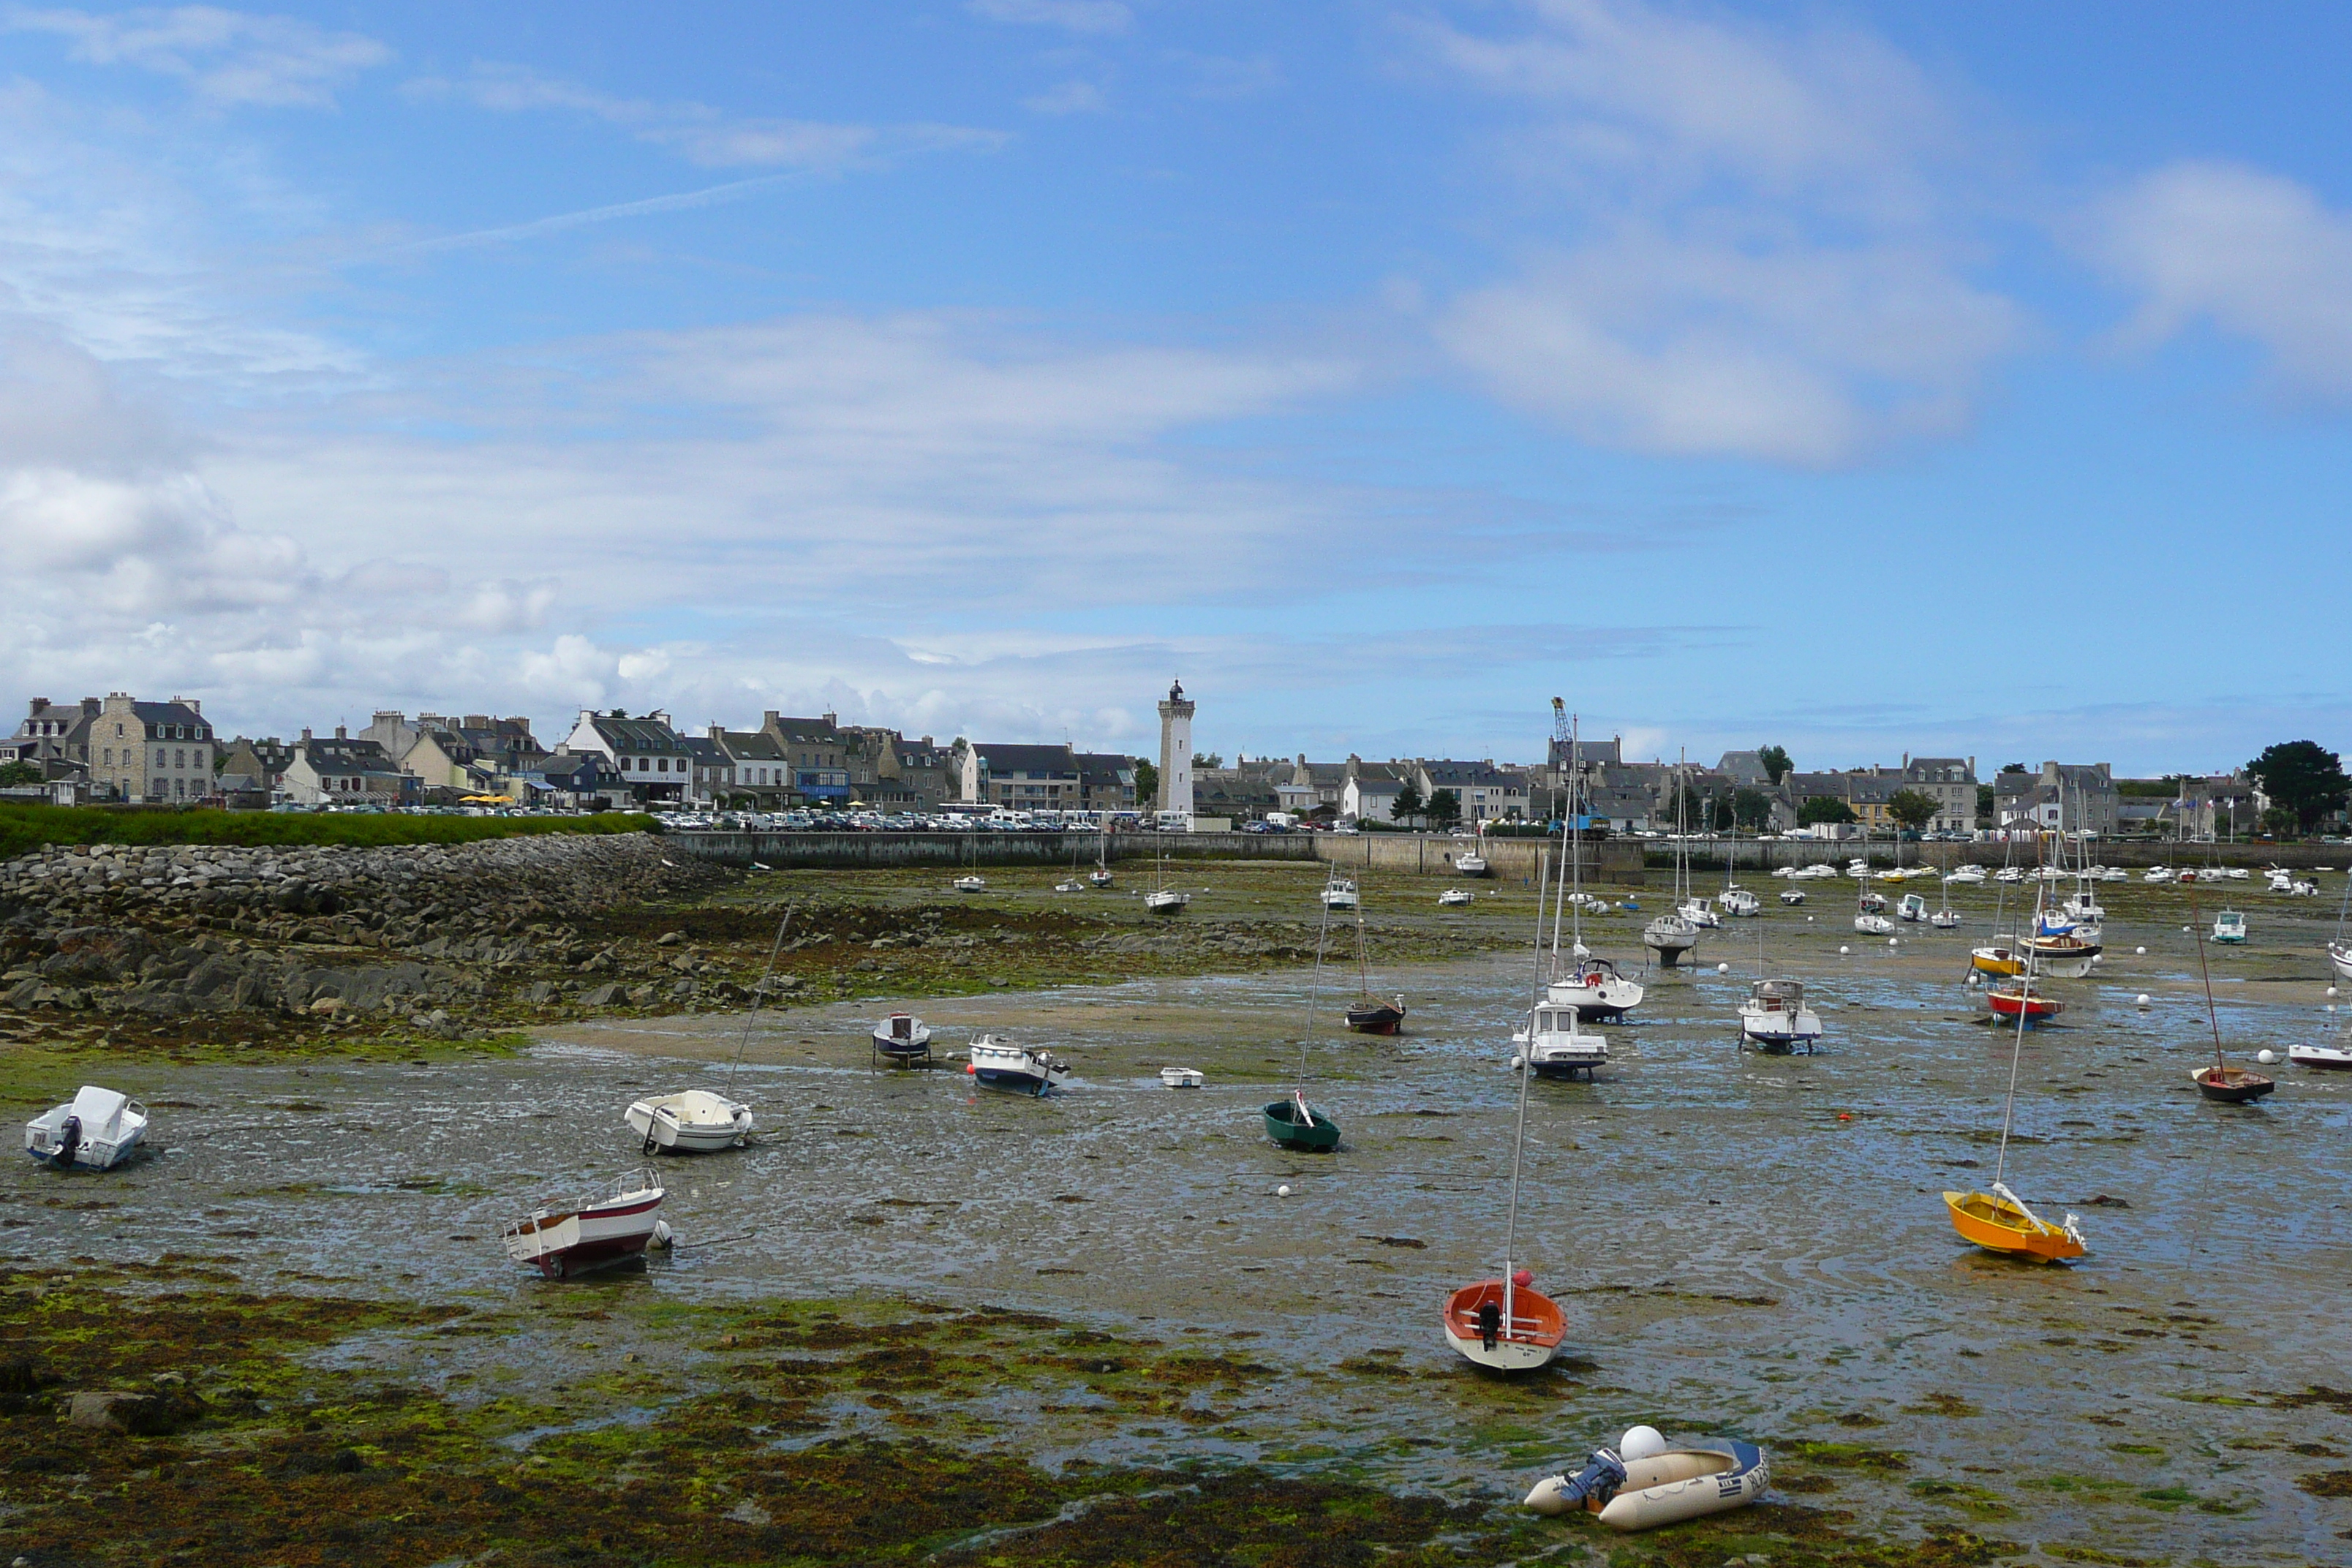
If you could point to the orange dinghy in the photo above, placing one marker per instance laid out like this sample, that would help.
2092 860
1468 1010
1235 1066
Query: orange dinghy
1512 1328
1999 1221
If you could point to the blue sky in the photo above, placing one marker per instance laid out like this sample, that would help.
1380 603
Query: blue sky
1861 378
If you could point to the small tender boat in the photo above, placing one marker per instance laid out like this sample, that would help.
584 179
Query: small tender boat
1069 885
98 1128
1339 893
1182 1078
1165 902
696 1122
2021 999
1470 863
1374 1017
1454 898
1914 908
1504 1328
2326 1059
1944 920
1555 1048
904 1039
1294 1124
1999 1221
999 1064
1874 925
2230 926
1792 898
1594 988
1774 1018
563 1240
2231 1085
1653 1485
1741 903
972 884
1098 877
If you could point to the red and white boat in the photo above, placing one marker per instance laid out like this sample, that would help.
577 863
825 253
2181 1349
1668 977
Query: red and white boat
2011 1000
2328 1058
561 1241
1505 1327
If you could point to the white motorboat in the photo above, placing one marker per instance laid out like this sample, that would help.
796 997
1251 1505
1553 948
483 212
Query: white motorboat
2009 874
1000 1064
972 884
1874 925
1913 908
98 1128
1339 893
2239 874
2083 909
1454 898
1594 989
1555 1047
903 1038
1793 897
1968 876
2230 926
1182 1078
1099 878
695 1121
1165 902
563 1239
2117 874
2157 874
1069 885
1470 863
2328 1058
1775 1018
1784 870
1700 912
1741 903
1945 918
1670 936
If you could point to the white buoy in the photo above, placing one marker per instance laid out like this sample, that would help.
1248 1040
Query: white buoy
1843 950
2142 999
2266 1055
2331 1006
1519 1062
1894 941
1282 1190
1808 920
661 1233
1641 1443
2184 930
2141 950
1723 968
2331 991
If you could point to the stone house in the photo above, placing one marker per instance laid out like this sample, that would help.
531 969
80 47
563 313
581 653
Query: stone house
346 771
650 756
255 767
1105 782
2064 797
825 762
151 751
1370 792
1487 793
54 738
1018 777
1951 784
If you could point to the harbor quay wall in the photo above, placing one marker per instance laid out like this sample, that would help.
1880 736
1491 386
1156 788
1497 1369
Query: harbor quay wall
801 851
1614 860
1749 855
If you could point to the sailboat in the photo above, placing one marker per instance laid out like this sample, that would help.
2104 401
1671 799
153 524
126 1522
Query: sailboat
2339 951
1504 1324
1591 985
1554 1044
1371 1016
699 1120
1292 1121
1673 934
1999 1220
2222 1082
1472 862
1946 917
1070 884
1101 875
1163 899
1867 903
2016 998
1774 1018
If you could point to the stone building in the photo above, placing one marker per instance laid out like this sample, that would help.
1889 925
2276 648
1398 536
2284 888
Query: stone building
151 751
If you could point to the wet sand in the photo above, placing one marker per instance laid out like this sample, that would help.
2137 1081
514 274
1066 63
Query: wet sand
1744 1244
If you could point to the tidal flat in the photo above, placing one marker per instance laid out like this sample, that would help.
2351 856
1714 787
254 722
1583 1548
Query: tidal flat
915 1320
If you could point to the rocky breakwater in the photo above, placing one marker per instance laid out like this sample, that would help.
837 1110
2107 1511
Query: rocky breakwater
440 939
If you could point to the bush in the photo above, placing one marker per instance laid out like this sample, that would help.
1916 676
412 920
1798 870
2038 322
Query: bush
28 827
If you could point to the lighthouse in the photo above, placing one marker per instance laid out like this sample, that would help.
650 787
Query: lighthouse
1176 753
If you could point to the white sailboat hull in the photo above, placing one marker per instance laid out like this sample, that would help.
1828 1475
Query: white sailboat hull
1779 1031
1508 1355
695 1123
2339 954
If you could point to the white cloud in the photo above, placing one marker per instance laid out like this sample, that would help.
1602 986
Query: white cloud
1067 97
226 57
1094 17
1737 239
2256 254
703 134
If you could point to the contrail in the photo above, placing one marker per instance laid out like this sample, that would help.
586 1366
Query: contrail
707 196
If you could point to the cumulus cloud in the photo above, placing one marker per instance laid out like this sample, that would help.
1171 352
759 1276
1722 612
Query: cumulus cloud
1739 239
226 57
2257 255
704 135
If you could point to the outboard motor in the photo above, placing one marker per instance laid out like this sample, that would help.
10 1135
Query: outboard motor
68 1141
1590 1488
1490 1322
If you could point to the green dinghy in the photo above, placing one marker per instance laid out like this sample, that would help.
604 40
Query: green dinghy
1294 1124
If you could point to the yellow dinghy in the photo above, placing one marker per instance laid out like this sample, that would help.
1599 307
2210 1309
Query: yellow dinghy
2002 961
1999 1221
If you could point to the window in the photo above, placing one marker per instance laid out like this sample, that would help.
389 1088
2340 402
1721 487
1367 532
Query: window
109 756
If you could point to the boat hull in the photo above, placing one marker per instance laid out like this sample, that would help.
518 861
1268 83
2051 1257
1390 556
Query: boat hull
1381 1020
1320 1136
695 1123
1669 941
1780 1034
2326 1058
1998 961
2231 1086
595 1235
1598 1000
1998 1226
2036 1009
97 1129
1668 1487
1527 1343
2339 956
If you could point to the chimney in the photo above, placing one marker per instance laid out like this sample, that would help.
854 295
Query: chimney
91 705
40 705
768 716
306 734
929 744
340 734
832 720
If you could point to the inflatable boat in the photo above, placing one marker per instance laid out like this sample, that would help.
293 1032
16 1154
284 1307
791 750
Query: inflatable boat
1662 1486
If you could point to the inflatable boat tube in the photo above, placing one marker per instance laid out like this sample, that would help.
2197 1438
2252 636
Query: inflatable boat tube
1661 1489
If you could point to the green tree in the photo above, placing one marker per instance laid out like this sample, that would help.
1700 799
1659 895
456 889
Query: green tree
1751 809
2302 777
1208 760
1444 808
1776 761
1146 782
1913 809
1984 802
1409 805
1821 808
15 774
2279 822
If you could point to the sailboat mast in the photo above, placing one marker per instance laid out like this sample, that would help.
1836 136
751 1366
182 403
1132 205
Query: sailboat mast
2024 1006
1314 993
2197 924
1576 826
1527 1071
